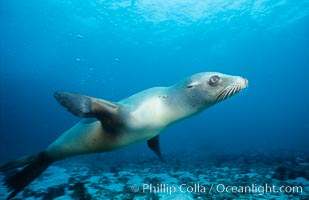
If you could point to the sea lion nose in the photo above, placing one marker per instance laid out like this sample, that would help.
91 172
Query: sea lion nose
243 82
246 81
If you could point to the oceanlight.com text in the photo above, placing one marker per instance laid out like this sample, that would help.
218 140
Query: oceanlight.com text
216 188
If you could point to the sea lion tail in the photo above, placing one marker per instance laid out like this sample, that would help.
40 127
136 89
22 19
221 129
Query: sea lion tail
36 165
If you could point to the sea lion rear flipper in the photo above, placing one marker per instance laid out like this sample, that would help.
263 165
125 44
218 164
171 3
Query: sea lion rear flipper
35 165
85 106
154 145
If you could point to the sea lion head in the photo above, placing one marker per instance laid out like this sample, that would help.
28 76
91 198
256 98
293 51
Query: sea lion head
208 88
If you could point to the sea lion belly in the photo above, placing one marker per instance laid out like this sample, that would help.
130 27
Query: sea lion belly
90 137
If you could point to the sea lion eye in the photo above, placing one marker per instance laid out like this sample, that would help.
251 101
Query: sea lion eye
214 79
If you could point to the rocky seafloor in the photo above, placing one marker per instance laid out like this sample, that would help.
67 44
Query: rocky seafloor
198 176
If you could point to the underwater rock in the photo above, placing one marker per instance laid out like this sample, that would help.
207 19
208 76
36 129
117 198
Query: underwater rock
291 172
115 169
54 192
80 192
153 181
30 193
186 180
123 179
280 173
87 178
50 193
226 196
72 180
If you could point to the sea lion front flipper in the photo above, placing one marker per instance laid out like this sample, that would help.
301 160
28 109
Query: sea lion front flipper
84 106
154 145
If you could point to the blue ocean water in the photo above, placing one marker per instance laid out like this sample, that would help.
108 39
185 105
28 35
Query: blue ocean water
112 49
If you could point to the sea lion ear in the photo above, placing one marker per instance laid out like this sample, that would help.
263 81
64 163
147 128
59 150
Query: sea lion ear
88 107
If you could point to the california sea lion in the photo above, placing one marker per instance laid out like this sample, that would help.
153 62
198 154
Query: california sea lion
111 125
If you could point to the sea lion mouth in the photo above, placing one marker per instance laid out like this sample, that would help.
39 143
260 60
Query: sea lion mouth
231 90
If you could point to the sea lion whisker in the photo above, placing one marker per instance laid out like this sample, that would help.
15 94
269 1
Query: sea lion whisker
225 94
236 90
233 91
222 94
219 95
240 88
230 92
